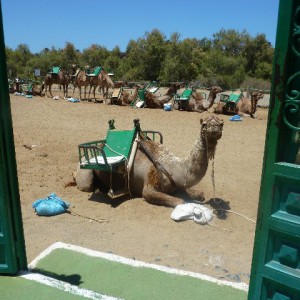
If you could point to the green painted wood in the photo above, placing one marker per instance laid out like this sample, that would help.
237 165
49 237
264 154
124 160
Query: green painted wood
275 272
12 245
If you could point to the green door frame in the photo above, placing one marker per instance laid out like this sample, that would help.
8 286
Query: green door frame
275 273
12 244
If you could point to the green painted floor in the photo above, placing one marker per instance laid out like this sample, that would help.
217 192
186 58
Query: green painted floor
111 278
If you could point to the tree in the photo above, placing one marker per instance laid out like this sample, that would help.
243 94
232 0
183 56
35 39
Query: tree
70 55
226 71
230 42
17 60
94 56
258 53
154 54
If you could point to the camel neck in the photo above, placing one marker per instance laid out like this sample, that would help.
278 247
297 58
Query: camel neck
212 96
253 106
197 162
208 103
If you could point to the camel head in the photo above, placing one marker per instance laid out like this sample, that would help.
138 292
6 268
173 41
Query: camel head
173 89
73 69
211 129
216 89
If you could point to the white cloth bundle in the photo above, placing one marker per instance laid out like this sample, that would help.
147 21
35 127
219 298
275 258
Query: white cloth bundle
192 211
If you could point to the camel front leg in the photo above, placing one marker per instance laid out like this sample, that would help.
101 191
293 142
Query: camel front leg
50 91
45 90
90 92
199 110
66 91
195 194
80 97
155 197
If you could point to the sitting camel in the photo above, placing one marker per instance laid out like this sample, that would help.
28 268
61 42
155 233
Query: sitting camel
245 106
156 174
153 101
126 97
199 104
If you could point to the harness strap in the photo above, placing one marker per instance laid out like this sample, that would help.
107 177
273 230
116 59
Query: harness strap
156 163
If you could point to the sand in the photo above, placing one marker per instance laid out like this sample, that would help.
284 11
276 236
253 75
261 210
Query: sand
131 227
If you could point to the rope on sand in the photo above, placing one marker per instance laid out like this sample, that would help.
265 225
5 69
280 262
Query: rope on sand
89 218
236 213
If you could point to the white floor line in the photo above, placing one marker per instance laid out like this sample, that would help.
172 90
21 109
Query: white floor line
112 257
64 286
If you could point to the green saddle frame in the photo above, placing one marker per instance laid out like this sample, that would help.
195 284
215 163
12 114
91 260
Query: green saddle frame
110 153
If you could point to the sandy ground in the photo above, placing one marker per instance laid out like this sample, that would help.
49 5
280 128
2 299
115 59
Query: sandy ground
131 227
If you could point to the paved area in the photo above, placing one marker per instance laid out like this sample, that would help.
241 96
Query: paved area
70 272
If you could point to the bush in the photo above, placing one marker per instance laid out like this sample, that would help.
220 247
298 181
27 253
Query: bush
254 83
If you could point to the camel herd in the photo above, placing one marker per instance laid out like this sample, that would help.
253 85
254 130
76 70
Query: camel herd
79 78
155 173
143 95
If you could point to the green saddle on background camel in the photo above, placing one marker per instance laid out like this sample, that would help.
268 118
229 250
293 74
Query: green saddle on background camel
96 72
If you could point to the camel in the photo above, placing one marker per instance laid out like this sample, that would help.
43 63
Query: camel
126 98
245 106
104 82
156 174
61 78
199 104
35 90
80 79
153 101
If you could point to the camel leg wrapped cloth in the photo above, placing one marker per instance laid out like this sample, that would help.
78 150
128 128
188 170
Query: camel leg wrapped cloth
192 211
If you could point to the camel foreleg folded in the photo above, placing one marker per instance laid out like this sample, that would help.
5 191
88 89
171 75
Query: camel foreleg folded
195 194
152 196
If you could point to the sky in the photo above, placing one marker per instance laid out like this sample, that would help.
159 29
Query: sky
52 23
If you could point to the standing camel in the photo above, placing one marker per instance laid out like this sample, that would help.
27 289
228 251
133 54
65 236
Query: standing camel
61 78
104 82
81 79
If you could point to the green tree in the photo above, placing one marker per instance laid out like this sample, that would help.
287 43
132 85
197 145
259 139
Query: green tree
224 70
258 53
70 55
230 42
154 54
94 56
17 60
113 61
133 65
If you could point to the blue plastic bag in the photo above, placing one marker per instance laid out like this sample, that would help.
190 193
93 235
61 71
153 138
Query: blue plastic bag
73 100
235 118
50 206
